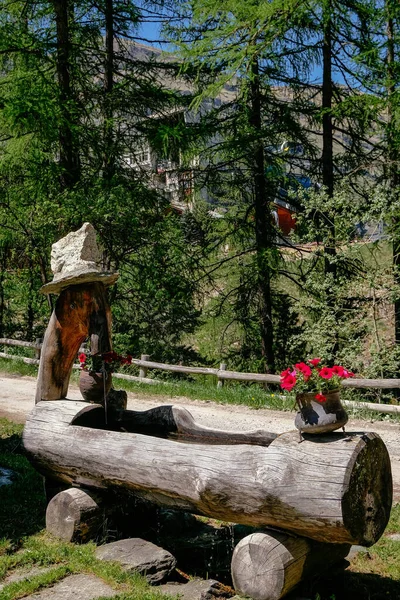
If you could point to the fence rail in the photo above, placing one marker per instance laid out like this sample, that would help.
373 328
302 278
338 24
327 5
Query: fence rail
221 374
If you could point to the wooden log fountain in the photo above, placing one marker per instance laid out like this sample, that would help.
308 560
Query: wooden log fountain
335 488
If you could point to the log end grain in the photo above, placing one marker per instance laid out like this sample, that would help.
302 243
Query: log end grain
266 566
73 516
367 501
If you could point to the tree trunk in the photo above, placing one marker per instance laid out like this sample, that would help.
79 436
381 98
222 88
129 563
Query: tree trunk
109 151
69 158
335 488
393 161
4 259
264 232
327 157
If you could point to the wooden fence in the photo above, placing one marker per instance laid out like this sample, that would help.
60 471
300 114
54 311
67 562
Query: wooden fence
221 374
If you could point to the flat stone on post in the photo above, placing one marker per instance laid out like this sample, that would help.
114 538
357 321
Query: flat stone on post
137 555
75 259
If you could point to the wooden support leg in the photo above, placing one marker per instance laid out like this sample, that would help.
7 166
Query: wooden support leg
74 516
266 566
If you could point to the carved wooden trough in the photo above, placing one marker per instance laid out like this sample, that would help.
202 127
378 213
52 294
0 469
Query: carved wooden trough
330 491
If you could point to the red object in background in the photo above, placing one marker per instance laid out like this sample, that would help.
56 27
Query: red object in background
285 220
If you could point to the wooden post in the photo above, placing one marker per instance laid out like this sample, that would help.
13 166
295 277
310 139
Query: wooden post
143 370
266 566
222 367
39 342
74 516
81 311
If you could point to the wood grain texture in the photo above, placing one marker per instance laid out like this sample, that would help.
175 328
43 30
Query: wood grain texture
333 488
80 311
267 566
74 516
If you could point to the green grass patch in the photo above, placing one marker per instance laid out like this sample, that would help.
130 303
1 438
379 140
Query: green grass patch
203 388
17 367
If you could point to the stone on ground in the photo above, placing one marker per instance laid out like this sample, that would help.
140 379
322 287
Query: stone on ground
75 587
137 555
25 573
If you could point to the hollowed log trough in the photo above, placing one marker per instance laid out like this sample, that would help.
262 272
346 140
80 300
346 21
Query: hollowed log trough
334 488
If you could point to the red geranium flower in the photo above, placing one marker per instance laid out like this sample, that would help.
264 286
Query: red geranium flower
320 398
286 372
82 357
314 361
303 368
288 382
326 373
337 370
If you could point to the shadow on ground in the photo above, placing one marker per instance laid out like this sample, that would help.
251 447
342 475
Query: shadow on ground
22 502
349 585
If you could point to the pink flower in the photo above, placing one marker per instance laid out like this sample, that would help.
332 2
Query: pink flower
337 370
288 382
320 398
326 373
303 368
286 372
347 374
82 357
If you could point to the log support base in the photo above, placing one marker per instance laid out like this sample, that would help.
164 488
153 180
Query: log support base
266 566
74 516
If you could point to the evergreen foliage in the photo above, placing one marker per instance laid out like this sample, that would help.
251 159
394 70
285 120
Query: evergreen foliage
78 103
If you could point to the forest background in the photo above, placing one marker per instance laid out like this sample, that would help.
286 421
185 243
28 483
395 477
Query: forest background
218 282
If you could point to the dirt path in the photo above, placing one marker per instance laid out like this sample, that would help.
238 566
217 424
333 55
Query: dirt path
17 400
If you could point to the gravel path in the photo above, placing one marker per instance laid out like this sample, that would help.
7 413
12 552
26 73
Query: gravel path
17 399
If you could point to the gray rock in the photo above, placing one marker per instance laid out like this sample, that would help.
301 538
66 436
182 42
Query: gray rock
354 550
75 259
197 589
135 554
21 574
6 476
77 250
75 587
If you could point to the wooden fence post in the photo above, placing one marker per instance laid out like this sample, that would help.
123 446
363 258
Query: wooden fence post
143 370
222 367
38 349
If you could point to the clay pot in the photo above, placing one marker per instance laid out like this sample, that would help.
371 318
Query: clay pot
319 417
92 388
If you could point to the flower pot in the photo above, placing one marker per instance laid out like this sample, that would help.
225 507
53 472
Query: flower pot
319 417
93 387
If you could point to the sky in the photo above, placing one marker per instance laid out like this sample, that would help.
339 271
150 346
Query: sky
149 34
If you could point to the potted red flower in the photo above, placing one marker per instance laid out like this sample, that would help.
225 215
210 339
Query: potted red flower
316 388
95 378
